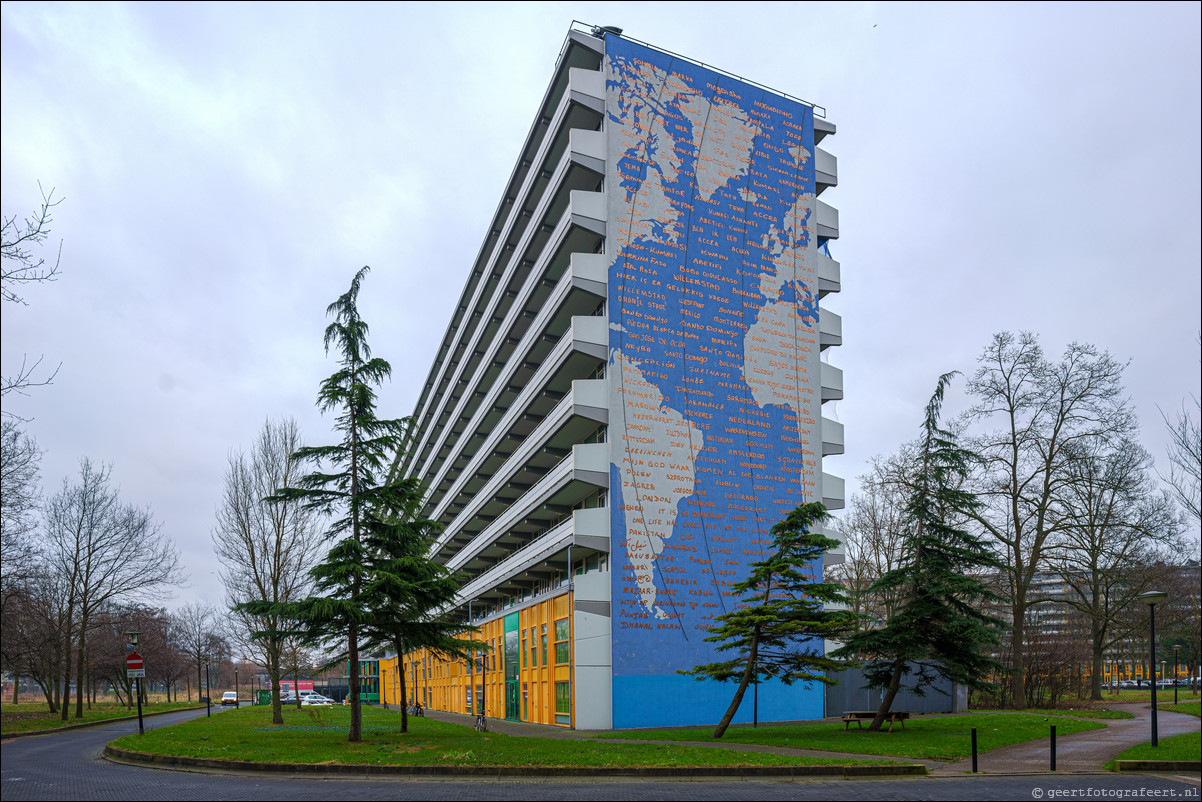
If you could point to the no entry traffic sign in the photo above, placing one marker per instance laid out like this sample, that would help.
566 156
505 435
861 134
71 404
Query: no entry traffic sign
134 661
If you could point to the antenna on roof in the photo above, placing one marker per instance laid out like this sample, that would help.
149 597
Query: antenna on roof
601 30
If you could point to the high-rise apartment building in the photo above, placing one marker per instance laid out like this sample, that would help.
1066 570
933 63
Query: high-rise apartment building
630 391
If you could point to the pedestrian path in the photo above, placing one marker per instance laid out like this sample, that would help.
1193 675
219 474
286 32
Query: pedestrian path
1088 751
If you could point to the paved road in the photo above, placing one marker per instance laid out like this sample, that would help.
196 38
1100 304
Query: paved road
68 766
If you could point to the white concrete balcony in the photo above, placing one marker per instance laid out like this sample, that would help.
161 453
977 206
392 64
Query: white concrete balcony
832 382
592 528
828 220
585 335
832 437
828 272
833 493
830 328
582 149
588 210
826 169
588 398
586 87
587 462
592 270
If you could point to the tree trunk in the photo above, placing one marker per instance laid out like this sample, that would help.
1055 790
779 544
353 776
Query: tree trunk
66 673
1095 681
356 728
79 665
748 673
16 687
273 672
890 695
1018 663
400 667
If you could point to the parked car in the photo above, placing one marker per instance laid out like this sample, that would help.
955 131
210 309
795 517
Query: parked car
315 699
229 698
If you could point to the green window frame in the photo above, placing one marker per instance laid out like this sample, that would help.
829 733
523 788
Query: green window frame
563 703
563 642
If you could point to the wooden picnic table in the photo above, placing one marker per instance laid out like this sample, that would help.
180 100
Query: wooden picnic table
860 716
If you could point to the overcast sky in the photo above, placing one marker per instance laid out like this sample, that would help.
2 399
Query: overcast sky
226 168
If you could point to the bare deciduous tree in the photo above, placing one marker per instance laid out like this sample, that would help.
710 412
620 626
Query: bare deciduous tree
873 532
1185 458
106 553
265 548
1043 412
194 633
21 264
1118 523
19 495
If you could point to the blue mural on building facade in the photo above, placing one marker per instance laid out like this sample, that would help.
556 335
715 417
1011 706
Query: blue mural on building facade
713 372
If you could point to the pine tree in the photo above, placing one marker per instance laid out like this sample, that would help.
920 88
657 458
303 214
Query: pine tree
780 611
355 491
938 624
407 592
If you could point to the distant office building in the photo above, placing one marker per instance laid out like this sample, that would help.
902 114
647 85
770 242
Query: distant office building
629 393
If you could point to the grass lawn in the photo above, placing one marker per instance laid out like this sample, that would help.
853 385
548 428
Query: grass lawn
1178 747
318 735
1145 695
1192 708
33 716
1088 712
931 738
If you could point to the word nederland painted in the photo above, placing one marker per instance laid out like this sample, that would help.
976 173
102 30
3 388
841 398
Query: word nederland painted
713 364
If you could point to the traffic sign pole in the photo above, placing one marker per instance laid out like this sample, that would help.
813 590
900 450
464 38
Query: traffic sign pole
135 665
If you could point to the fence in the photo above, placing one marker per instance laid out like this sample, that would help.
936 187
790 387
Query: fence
942 696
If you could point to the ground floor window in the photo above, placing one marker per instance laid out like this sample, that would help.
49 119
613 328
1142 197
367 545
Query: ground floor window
563 703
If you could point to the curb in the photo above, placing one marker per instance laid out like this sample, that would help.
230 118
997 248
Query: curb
83 726
1158 765
339 769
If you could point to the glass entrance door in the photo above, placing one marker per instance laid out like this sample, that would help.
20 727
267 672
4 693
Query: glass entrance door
512 661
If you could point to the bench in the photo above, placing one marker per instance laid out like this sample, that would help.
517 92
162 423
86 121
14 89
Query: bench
860 716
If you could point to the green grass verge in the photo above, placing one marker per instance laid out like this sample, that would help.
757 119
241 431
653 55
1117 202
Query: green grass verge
1088 712
1125 697
318 735
1177 747
930 738
33 717
1191 708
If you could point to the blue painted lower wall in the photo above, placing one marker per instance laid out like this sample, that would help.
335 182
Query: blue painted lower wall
670 701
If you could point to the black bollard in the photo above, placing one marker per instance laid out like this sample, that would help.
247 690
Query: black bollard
1053 747
974 750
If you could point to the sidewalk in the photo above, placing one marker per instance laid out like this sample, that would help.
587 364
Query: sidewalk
1088 751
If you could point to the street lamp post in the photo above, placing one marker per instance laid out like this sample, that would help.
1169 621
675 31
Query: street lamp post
208 691
384 687
133 642
1153 598
1176 660
236 689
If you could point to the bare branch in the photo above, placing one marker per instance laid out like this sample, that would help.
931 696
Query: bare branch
21 263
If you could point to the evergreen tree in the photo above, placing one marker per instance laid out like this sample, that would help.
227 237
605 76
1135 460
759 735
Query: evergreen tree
355 491
937 624
406 591
780 611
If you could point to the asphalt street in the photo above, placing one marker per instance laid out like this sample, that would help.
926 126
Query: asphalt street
69 766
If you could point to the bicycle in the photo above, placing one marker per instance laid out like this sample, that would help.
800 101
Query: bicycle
481 724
